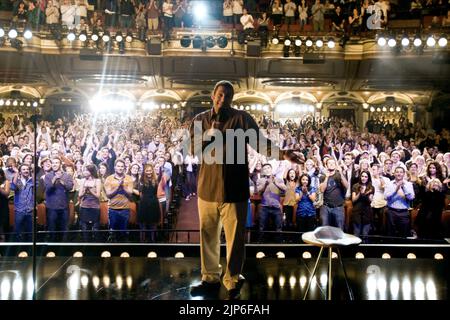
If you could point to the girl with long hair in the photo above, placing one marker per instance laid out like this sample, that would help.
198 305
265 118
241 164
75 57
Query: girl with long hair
289 200
149 211
305 195
89 195
362 195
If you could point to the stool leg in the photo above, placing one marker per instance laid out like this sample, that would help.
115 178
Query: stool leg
330 279
313 273
349 289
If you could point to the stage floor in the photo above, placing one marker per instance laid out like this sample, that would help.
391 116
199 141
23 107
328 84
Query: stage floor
141 278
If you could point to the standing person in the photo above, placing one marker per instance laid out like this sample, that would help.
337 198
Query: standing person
119 188
57 185
270 188
378 202
148 213
318 17
398 193
89 194
430 214
306 212
333 186
223 190
362 196
22 185
289 200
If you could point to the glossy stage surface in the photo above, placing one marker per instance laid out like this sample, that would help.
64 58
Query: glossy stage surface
143 278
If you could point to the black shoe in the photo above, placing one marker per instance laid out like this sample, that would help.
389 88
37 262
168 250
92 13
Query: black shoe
234 294
205 289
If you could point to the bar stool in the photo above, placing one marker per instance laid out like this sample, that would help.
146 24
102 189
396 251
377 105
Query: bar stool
328 238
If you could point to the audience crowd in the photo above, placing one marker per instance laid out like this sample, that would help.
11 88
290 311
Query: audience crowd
390 178
161 16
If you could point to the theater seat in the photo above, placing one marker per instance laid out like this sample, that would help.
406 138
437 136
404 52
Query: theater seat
41 214
104 218
133 213
11 215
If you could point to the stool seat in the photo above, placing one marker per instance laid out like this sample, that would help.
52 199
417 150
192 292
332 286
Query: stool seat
329 237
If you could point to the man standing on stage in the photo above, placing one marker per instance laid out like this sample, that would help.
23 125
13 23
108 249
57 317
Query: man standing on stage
223 187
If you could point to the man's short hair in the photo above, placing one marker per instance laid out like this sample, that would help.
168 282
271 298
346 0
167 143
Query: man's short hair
119 160
265 165
227 85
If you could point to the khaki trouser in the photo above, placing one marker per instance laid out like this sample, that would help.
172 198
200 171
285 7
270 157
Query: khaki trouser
232 216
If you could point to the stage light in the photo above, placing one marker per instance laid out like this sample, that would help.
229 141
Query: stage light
391 109
384 109
392 42
2 102
411 256
22 103
331 44
94 37
309 42
438 256
298 42
210 42
78 254
222 42
431 42
275 40
83 36
106 254
281 255
306 255
27 34
442 42
405 40
2 32
386 256
334 255
372 109
185 41
200 11
124 255
50 254
12 34
23 254
119 37
106 37
417 41
8 102
71 36
398 109
359 255
28 104
15 103
287 42
35 104
152 255
179 255
319 43
129 37
260 255
197 42
381 41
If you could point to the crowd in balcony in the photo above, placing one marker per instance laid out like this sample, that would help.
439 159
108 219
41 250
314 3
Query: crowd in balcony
389 179
161 16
